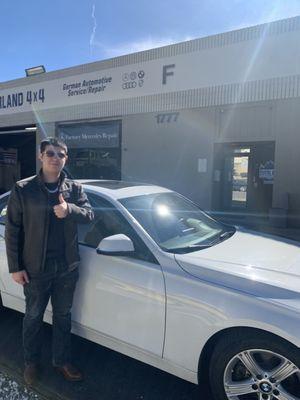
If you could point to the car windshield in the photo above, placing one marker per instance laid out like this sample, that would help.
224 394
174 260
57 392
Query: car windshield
175 223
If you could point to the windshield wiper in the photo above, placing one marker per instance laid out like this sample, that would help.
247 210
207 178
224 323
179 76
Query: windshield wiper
226 235
194 247
187 249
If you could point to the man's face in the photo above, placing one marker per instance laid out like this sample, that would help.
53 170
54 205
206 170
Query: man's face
53 159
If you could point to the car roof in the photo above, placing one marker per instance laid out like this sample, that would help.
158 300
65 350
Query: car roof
121 189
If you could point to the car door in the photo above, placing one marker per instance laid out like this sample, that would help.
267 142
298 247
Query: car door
9 285
120 297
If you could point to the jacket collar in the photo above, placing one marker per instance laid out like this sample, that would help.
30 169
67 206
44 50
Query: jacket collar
61 180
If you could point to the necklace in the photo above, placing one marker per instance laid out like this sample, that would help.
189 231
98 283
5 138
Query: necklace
52 190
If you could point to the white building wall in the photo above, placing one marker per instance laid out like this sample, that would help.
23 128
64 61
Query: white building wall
167 153
252 122
287 159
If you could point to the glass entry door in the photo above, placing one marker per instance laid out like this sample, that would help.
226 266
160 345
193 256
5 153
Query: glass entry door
235 179
239 172
247 177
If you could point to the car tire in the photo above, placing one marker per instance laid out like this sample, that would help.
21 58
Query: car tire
249 365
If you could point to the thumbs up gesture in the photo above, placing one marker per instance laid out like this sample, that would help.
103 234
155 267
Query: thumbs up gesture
61 209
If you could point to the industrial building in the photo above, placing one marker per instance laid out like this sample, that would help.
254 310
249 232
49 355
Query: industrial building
215 118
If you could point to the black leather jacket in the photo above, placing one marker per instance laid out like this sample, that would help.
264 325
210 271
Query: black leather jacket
27 223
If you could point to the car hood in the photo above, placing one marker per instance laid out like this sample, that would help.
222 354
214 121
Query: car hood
246 260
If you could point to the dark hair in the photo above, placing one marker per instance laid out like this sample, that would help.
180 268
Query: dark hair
53 142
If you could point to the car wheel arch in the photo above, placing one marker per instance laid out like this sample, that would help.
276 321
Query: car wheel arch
207 350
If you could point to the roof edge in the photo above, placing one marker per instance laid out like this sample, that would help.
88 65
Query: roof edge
211 41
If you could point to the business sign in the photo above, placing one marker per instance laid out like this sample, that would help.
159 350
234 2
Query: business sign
207 67
91 135
266 172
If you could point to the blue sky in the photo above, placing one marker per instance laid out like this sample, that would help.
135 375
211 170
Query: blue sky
64 33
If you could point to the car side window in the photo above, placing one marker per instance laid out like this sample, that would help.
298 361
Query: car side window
109 221
3 208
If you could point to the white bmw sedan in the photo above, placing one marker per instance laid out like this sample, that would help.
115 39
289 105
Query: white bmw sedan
163 282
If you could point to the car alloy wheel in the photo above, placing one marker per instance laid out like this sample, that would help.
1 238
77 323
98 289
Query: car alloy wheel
267 374
256 368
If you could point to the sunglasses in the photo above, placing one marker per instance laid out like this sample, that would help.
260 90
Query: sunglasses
51 153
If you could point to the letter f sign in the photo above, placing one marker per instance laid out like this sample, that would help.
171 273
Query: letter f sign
167 72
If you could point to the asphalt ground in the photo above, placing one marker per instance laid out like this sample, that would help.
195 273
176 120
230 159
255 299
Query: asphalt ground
108 374
12 390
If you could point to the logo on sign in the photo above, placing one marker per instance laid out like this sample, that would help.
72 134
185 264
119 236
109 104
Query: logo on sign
125 77
129 85
133 79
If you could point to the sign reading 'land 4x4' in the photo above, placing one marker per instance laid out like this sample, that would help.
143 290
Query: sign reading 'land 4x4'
19 99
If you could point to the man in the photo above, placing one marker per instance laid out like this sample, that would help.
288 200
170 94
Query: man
42 252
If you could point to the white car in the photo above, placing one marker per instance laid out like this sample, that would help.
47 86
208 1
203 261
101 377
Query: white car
164 283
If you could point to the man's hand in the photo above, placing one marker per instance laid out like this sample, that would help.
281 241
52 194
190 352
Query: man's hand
20 277
61 210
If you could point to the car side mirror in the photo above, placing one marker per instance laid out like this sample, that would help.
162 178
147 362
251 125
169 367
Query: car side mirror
116 245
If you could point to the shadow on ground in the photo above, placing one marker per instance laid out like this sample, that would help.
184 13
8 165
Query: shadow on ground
108 374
